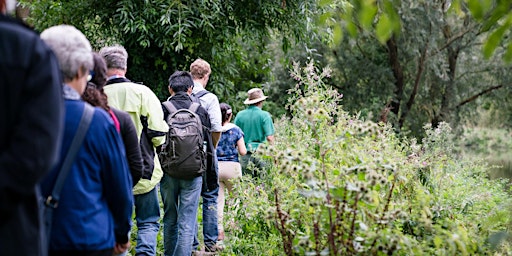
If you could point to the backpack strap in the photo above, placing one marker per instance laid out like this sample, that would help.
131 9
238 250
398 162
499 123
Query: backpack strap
193 107
170 107
201 93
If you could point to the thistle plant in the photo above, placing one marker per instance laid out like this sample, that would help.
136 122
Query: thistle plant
341 185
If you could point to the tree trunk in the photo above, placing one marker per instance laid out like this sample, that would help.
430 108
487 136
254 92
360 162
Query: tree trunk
398 73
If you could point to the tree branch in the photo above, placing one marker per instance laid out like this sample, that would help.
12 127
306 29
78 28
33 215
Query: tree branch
474 97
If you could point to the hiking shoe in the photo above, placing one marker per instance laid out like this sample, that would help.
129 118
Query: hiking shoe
215 248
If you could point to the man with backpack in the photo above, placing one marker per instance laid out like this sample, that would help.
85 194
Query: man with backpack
200 71
183 159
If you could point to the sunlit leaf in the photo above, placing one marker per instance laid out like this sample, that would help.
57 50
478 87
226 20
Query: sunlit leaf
493 41
367 13
384 29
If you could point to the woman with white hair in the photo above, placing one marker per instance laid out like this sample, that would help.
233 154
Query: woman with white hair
93 216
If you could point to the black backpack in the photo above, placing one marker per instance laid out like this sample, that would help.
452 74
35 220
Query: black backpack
183 155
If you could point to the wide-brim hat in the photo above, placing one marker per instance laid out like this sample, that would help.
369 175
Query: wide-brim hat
254 96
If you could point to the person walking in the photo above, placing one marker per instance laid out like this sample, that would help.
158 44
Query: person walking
93 215
146 112
258 128
95 96
200 71
30 132
231 144
181 188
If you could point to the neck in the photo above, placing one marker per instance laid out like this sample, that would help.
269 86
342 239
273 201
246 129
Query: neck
201 81
116 72
77 85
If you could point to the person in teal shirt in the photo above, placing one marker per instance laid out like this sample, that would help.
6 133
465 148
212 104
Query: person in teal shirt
258 128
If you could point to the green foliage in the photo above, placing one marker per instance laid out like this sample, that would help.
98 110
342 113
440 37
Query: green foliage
164 36
340 185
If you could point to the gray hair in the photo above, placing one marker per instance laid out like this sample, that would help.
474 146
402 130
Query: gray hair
72 49
116 56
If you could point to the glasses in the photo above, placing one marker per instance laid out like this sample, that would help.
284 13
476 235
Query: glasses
90 76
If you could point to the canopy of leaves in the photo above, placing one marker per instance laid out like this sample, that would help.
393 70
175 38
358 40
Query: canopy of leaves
162 36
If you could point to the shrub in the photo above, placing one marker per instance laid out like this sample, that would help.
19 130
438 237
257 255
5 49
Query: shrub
340 185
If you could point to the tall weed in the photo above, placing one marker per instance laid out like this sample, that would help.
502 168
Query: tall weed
341 185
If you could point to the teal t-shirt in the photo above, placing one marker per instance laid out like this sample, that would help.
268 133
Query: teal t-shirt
256 124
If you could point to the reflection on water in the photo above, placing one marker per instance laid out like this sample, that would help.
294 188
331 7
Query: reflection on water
500 165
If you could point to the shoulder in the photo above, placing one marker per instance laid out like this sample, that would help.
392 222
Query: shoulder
20 42
121 115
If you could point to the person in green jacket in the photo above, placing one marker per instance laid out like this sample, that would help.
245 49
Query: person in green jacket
147 114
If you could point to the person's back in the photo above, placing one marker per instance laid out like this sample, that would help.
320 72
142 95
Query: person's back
146 112
230 145
180 193
98 189
256 125
92 211
258 128
30 132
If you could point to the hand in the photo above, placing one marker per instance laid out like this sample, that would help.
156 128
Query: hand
121 248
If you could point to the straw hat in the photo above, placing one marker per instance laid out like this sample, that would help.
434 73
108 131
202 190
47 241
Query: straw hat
254 95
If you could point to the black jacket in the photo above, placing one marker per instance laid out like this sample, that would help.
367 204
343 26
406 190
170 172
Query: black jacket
131 144
182 100
30 134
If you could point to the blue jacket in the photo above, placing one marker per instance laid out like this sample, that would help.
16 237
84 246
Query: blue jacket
96 200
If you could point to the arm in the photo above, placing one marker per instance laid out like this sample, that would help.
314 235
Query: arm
268 128
131 145
116 182
216 138
240 144
157 127
270 139
33 145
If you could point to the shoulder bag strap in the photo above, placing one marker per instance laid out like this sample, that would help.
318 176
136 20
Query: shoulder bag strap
83 126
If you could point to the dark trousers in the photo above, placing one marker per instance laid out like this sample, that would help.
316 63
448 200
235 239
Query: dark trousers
106 252
254 166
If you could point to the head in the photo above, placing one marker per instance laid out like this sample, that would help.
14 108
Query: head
200 70
94 93
73 52
116 57
7 6
180 81
226 112
99 72
255 96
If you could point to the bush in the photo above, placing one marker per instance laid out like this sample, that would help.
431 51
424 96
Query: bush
340 185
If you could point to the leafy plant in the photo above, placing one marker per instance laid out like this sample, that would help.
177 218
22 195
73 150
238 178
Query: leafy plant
341 185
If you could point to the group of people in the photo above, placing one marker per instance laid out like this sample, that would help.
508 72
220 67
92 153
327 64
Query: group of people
48 85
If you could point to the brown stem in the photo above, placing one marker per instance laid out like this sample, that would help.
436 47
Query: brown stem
287 239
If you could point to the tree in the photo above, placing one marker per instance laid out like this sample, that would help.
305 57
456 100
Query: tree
164 35
429 64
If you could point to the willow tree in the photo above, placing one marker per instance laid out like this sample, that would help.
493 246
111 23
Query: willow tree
411 62
164 35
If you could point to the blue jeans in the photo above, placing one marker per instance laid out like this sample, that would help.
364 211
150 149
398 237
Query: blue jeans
181 200
210 221
147 215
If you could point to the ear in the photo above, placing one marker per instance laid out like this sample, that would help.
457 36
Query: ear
170 90
189 90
